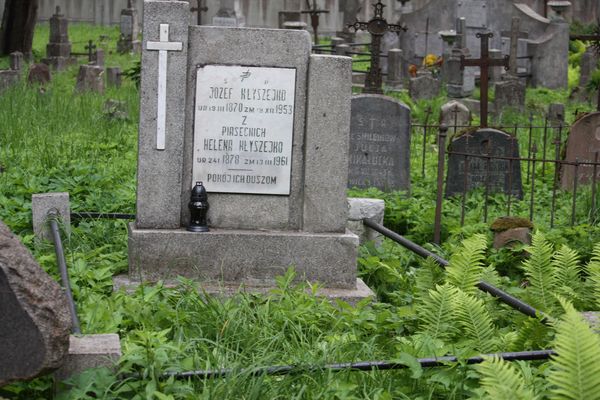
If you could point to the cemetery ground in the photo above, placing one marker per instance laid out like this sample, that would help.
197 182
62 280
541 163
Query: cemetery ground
55 140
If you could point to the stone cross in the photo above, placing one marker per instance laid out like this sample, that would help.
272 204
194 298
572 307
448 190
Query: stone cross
377 26
514 35
163 46
314 17
484 63
90 48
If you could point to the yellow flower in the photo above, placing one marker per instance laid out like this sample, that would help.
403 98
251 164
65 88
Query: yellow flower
430 60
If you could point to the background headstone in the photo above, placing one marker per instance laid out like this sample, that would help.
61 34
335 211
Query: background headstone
424 86
502 176
16 61
58 49
379 143
39 73
582 144
90 78
510 94
35 319
556 114
456 116
113 76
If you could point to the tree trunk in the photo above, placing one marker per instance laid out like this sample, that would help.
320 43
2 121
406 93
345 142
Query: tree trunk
18 24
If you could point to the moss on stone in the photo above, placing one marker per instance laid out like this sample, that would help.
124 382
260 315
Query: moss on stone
505 223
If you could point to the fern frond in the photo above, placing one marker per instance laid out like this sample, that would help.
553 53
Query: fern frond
501 380
436 312
466 264
427 277
538 269
476 322
575 372
567 273
593 271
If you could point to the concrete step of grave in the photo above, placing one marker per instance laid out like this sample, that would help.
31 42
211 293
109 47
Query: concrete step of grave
350 296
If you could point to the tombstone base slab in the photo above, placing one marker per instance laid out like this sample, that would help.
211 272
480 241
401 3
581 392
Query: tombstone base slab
351 296
90 351
236 257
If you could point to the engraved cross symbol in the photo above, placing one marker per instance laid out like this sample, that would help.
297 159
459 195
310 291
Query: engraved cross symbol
163 46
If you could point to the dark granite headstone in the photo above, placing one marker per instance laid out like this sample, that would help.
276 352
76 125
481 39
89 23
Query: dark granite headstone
582 144
502 176
379 143
34 316
510 94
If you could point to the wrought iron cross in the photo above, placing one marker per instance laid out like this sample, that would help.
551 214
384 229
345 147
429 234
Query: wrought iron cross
484 63
90 48
200 9
314 17
377 26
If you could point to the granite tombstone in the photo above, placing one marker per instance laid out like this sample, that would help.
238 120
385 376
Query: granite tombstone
478 160
35 319
582 145
243 111
379 143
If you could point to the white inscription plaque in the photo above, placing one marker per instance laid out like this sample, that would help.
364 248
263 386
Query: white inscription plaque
243 129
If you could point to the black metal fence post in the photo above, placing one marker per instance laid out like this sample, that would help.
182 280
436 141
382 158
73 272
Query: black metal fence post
437 232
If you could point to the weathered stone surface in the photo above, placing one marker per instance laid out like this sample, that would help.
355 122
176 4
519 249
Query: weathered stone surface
476 171
424 87
90 351
510 94
556 114
41 204
242 256
379 143
39 73
326 167
360 209
90 78
512 236
589 62
113 77
35 319
582 145
16 61
456 116
8 78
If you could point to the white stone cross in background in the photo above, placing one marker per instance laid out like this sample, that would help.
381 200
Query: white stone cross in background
161 110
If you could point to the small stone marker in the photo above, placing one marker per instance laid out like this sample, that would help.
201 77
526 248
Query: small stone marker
90 78
456 116
589 62
470 172
360 209
379 143
35 316
511 230
582 144
90 351
114 77
98 58
39 73
16 61
556 114
510 94
424 86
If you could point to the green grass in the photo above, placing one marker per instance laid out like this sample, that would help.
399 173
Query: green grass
53 139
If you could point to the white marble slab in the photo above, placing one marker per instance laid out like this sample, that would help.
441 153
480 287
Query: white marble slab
243 129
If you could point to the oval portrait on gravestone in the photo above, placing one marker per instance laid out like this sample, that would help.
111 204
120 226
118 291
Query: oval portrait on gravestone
379 143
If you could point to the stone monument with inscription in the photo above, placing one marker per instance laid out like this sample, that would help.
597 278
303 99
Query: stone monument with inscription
379 143
582 145
469 166
243 111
